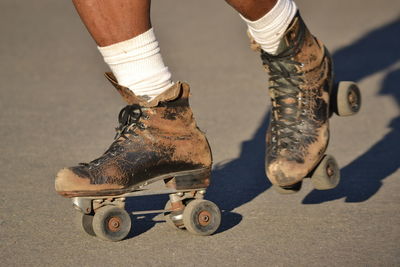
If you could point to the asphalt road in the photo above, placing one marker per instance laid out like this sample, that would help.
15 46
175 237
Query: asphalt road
56 110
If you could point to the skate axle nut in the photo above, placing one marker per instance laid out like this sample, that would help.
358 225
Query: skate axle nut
204 218
114 224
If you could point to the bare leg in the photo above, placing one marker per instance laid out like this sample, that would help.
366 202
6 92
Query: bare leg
113 21
252 9
122 29
149 126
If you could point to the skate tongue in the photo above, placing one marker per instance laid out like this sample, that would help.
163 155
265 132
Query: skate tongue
290 34
171 93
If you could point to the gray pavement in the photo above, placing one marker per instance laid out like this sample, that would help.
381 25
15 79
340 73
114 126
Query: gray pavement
57 110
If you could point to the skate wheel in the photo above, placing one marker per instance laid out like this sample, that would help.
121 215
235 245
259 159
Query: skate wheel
286 190
85 221
348 99
201 217
168 219
111 223
327 174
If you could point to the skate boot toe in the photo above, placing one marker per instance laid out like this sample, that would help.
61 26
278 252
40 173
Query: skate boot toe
69 184
285 173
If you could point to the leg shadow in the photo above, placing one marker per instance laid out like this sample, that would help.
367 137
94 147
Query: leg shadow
363 177
234 183
240 180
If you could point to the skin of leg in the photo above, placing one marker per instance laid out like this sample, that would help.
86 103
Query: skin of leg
113 21
252 9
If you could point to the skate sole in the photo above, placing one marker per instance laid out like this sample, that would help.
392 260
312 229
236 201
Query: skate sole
177 181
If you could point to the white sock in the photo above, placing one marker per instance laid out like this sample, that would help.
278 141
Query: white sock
268 30
138 65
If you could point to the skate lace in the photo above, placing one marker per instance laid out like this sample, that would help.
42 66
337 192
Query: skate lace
285 80
129 120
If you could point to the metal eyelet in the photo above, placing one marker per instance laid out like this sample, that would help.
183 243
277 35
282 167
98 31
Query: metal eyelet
145 116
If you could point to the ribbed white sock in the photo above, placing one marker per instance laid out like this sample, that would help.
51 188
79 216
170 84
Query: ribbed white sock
138 65
268 30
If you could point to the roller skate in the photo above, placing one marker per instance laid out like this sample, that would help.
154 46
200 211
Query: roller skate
303 98
156 141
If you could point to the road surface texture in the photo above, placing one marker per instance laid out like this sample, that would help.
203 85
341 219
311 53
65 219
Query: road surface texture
56 110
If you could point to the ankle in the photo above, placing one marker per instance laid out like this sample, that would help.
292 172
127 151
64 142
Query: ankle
269 29
137 64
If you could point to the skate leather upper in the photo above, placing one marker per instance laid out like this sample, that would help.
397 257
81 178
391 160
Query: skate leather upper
153 139
300 83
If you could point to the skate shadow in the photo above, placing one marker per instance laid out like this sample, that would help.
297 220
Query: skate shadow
143 222
374 52
238 181
234 183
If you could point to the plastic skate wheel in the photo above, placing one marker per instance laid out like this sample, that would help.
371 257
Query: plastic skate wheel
168 218
85 221
327 174
348 99
286 190
201 217
111 223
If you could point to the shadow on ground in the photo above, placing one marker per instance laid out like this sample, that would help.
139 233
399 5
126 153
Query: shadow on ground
143 223
239 181
234 183
374 52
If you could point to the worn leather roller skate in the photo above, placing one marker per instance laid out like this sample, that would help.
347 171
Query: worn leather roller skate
155 141
303 96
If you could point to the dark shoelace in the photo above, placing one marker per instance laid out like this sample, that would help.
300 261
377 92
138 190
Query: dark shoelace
128 119
286 81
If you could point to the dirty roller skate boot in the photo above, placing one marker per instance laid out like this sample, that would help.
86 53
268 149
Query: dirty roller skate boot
155 141
303 97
